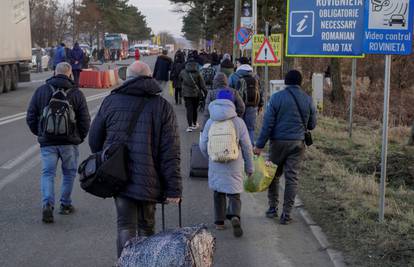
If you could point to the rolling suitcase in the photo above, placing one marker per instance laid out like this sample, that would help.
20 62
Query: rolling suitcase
198 163
182 247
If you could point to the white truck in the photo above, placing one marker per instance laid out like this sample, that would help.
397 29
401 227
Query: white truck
15 43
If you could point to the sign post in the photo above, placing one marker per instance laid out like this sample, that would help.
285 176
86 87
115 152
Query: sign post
388 31
267 66
353 89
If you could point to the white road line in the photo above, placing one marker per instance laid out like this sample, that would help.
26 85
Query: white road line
21 158
19 116
19 172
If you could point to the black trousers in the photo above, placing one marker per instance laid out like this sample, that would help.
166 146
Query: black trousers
133 218
223 211
76 75
191 105
178 95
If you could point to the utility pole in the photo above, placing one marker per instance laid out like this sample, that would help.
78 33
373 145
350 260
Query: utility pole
73 22
237 8
266 66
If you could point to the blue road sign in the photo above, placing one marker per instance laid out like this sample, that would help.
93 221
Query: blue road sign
388 27
325 28
243 36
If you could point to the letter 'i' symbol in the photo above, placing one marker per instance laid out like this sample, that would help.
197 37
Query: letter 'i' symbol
301 24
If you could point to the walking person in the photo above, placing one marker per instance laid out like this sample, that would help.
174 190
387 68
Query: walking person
289 114
194 89
248 85
226 65
60 55
177 67
162 69
154 150
76 60
51 58
215 61
57 141
226 170
39 67
220 84
208 72
137 54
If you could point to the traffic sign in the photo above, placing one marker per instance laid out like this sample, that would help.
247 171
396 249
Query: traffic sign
388 27
276 41
243 36
325 28
266 53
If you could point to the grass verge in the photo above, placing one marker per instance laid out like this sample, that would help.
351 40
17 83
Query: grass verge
339 186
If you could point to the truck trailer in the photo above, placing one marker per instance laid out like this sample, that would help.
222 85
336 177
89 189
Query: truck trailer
15 44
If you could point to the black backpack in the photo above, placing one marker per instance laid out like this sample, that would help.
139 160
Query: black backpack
249 90
58 117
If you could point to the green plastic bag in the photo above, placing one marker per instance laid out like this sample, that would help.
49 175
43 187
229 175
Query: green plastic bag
264 172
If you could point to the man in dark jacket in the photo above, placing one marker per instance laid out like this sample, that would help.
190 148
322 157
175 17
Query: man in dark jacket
162 69
76 59
53 148
177 67
154 150
60 55
285 126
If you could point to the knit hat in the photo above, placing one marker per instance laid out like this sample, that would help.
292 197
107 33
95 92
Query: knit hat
220 81
227 56
225 94
243 60
293 77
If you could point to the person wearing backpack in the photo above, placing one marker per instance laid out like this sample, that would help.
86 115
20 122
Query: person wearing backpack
290 115
208 72
154 150
58 115
162 70
194 89
226 65
225 141
248 86
177 67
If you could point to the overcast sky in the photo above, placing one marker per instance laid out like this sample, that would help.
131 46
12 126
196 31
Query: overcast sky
160 16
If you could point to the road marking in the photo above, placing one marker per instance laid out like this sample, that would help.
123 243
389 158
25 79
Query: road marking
21 158
14 175
19 116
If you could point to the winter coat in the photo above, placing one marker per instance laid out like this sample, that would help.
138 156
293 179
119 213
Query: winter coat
60 56
282 120
227 67
192 82
154 147
76 98
228 177
244 70
212 95
176 69
76 57
215 59
162 68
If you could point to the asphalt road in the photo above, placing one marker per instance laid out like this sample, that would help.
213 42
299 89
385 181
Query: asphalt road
87 238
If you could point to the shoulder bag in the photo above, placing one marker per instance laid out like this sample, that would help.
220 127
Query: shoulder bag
308 134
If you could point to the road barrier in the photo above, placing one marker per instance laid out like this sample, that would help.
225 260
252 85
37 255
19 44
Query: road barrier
90 78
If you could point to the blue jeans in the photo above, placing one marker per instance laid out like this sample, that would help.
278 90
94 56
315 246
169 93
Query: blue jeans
249 117
50 156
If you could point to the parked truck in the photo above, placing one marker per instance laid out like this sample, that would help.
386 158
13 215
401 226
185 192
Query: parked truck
15 44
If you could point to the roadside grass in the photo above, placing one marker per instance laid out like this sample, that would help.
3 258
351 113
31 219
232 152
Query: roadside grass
340 187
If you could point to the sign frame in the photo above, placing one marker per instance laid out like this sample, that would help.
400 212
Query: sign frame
272 52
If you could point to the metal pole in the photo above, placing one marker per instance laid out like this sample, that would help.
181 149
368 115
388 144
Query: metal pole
237 7
266 66
351 105
385 136
254 4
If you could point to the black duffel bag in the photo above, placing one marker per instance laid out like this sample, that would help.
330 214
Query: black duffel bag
106 173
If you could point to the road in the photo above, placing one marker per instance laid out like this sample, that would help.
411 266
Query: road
87 238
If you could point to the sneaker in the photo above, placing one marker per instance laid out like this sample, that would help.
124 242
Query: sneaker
237 230
220 227
189 130
271 213
47 214
196 126
66 209
285 219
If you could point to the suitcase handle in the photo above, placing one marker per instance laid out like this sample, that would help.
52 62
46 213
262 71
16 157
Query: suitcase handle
179 215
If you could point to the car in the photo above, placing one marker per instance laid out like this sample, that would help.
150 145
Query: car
131 52
397 19
45 58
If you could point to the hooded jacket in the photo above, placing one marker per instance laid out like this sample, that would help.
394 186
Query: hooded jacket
162 68
192 81
76 98
60 55
154 146
76 55
244 70
228 177
227 67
